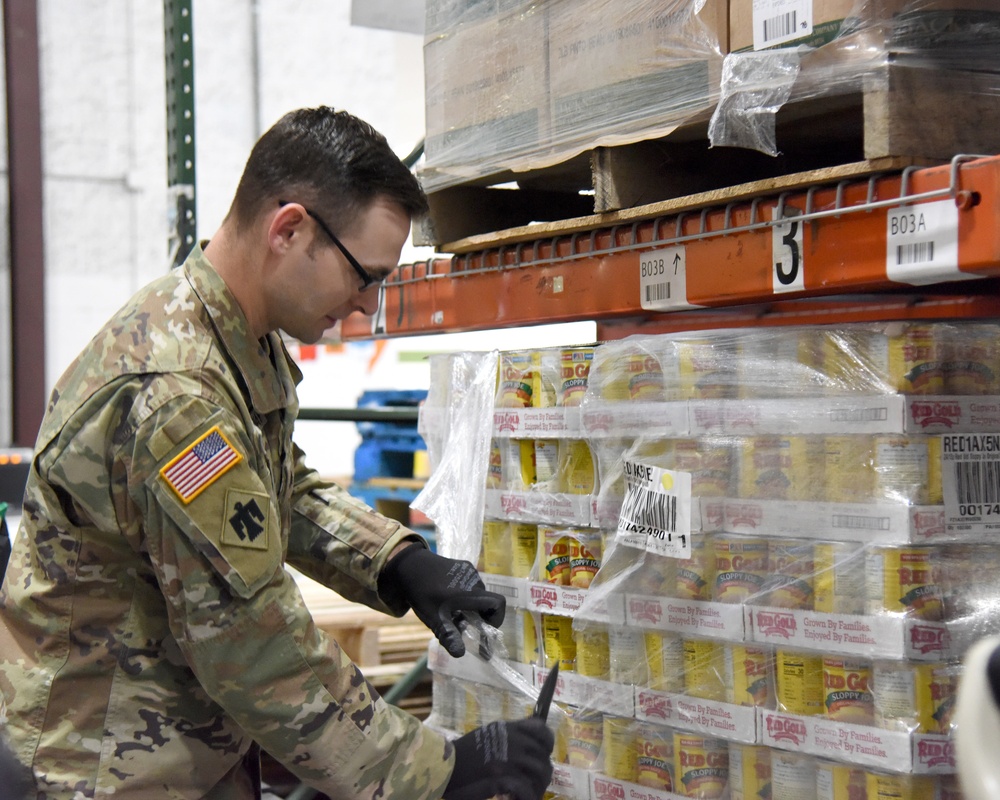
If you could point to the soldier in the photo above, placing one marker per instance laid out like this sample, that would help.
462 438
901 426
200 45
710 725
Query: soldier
151 640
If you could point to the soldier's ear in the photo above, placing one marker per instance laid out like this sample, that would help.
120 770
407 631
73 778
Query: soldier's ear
286 223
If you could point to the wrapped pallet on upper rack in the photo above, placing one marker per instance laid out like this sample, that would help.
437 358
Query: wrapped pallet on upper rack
757 555
633 102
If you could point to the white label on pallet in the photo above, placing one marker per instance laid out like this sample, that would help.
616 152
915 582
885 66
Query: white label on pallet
788 273
657 506
922 243
663 280
779 21
970 478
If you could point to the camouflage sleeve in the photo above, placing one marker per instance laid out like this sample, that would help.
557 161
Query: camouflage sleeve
213 538
340 542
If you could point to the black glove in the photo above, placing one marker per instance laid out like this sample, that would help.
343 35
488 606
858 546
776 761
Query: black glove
439 589
502 758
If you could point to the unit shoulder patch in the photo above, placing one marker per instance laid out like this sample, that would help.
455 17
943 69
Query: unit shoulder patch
200 464
245 520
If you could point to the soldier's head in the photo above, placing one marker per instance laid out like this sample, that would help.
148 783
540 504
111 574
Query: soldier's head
332 163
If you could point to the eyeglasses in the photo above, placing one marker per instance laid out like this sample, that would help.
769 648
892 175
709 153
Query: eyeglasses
366 277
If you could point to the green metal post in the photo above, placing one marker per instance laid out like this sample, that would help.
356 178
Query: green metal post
179 52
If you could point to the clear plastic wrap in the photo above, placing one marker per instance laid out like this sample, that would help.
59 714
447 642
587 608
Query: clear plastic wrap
809 632
514 86
790 50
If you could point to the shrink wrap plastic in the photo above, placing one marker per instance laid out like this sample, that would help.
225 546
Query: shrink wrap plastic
804 51
824 591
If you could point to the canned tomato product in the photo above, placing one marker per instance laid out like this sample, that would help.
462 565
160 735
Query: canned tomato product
583 735
520 636
546 460
701 766
553 555
696 575
839 579
494 470
584 557
840 782
574 374
793 776
903 580
627 652
524 541
741 567
847 696
914 697
558 642
516 379
750 675
707 367
972 361
665 661
544 378
749 772
798 679
645 378
654 747
710 463
496 547
912 353
620 748
908 469
593 658
576 467
882 786
519 464
704 669
848 469
792 568
782 468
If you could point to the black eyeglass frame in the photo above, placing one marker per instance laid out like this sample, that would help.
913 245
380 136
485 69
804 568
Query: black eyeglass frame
366 277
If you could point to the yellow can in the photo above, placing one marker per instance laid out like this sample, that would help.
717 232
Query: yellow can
584 557
544 378
791 570
628 656
516 379
520 636
782 468
914 355
836 781
557 636
793 776
904 580
847 696
553 556
583 735
494 470
576 467
704 669
972 364
750 675
848 469
524 540
707 367
593 658
839 580
696 575
620 748
749 772
914 697
741 567
645 378
574 374
655 757
798 679
882 786
710 464
496 547
908 469
701 766
546 461
665 660
523 475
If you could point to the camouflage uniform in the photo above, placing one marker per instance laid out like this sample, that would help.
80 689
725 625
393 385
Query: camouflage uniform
149 634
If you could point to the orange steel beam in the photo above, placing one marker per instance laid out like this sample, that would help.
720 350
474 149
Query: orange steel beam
927 226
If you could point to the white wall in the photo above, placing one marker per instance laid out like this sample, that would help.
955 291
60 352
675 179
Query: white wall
104 161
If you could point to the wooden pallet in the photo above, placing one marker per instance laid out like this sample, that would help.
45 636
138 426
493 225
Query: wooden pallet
912 115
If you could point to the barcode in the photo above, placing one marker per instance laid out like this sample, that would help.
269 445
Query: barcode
657 291
652 509
978 481
860 523
859 414
508 591
915 253
780 26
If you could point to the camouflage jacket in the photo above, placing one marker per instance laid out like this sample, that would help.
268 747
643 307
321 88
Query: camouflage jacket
149 632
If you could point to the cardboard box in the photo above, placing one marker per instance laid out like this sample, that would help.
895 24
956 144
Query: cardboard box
485 85
621 70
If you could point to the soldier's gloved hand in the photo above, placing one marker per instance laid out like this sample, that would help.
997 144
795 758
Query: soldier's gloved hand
509 758
439 589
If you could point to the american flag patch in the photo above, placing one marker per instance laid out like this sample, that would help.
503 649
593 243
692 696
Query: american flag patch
194 470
